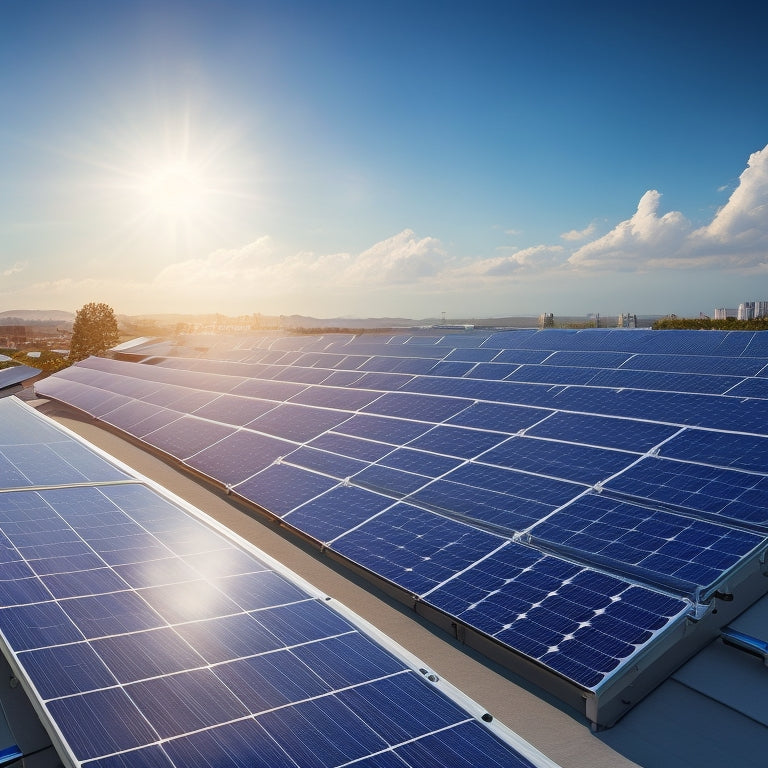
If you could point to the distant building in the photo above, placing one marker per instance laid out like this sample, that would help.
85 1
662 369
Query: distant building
627 321
723 313
750 310
547 320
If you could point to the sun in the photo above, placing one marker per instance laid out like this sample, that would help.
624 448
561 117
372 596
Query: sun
175 190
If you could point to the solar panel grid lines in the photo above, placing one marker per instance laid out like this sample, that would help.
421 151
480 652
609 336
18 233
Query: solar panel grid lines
734 497
582 623
658 547
142 682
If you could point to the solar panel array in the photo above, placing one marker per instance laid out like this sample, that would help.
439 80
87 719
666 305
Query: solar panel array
150 637
572 495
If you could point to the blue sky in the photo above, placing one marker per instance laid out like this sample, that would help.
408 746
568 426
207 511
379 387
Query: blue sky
383 159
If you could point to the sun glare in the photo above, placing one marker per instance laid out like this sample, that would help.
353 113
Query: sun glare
175 191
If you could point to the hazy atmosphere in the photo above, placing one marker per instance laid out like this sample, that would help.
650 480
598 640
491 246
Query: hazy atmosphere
395 159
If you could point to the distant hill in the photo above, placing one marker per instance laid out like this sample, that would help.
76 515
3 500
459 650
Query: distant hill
37 316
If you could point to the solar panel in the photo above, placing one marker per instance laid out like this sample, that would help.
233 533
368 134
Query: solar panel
196 649
665 548
16 374
720 494
568 461
633 435
615 453
581 623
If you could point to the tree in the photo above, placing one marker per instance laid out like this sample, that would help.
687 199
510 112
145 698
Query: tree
94 331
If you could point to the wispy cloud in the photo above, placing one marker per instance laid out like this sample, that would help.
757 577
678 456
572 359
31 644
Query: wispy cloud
19 266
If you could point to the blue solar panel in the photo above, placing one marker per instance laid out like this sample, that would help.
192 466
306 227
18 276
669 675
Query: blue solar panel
398 364
633 435
383 382
139 418
16 374
194 651
298 422
499 417
750 388
421 462
265 389
603 359
720 449
445 368
344 399
239 456
326 462
416 407
497 371
353 447
721 494
550 374
414 548
557 612
731 366
231 409
281 487
49 464
504 512
680 552
336 512
664 382
382 429
187 435
457 441
568 461
392 482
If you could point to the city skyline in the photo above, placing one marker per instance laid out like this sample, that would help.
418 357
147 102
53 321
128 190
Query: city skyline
340 159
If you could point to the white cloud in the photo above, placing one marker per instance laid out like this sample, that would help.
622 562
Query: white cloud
579 234
401 259
742 223
535 259
19 266
737 237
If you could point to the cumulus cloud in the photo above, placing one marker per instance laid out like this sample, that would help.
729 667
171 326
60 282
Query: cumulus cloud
742 222
737 237
579 234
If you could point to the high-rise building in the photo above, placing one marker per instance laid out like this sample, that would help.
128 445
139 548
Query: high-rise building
746 310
